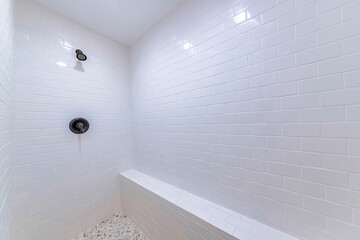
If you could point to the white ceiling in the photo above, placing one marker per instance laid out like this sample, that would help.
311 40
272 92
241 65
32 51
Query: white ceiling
121 20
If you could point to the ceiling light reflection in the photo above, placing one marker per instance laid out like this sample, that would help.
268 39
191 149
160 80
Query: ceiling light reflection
187 46
61 64
241 17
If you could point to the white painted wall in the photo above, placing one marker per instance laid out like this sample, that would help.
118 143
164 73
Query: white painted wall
6 115
255 105
65 183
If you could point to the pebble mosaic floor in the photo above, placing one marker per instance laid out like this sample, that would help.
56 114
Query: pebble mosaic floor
117 228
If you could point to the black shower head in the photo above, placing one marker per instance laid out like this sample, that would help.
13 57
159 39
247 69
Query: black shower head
80 55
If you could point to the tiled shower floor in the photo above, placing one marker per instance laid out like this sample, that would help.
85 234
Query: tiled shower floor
117 228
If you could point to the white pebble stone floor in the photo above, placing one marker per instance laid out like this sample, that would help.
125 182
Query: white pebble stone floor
117 228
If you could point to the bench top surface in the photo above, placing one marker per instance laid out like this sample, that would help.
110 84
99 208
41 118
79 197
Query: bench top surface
231 222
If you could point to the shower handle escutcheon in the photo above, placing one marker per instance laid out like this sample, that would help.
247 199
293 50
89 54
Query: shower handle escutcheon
79 125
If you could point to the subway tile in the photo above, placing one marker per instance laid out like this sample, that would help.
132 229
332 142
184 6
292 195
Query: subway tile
340 97
327 208
265 104
338 65
354 181
282 116
352 113
237 85
350 10
325 176
268 179
252 141
318 54
287 197
326 83
344 163
353 145
261 6
340 130
302 158
216 89
278 37
338 32
324 145
263 80
297 16
236 64
351 79
279 90
314 234
301 3
278 11
262 56
298 73
283 169
279 64
350 45
249 48
235 42
297 45
251 117
267 154
270 205
285 143
317 23
307 217
266 129
306 188
323 114
300 101
249 71
343 196
356 216
343 229
243 5
286 224
250 94
324 5
302 130
262 31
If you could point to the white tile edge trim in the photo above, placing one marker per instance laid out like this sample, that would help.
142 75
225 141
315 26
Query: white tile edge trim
226 220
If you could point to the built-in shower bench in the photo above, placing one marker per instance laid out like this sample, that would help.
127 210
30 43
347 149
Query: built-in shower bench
165 212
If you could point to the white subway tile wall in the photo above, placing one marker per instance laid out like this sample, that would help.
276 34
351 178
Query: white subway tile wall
255 105
6 115
65 183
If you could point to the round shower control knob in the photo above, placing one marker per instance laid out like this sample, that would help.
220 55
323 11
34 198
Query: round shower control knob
79 125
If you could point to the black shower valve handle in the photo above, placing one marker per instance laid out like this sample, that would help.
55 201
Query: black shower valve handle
79 125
